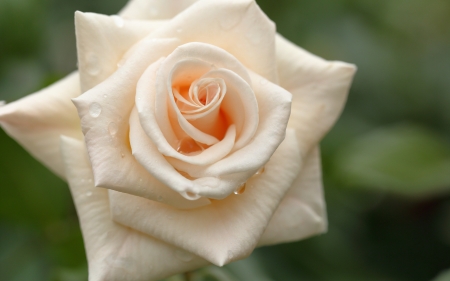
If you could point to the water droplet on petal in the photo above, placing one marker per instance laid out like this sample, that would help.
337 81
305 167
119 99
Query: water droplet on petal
105 96
184 255
240 189
89 193
122 154
118 20
95 109
190 195
92 65
113 128
160 198
260 171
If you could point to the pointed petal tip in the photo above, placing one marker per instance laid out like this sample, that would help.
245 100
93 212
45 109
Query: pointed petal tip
349 67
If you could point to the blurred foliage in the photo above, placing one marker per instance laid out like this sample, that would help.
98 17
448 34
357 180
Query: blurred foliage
386 162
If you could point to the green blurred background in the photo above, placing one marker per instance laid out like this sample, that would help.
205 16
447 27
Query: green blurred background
386 162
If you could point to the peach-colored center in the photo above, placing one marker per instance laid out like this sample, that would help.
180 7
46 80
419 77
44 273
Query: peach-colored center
197 101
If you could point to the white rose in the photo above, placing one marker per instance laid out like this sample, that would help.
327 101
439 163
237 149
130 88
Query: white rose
187 121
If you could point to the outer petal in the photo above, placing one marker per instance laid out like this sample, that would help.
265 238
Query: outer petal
238 26
154 9
105 126
226 230
37 121
319 90
302 212
115 252
102 41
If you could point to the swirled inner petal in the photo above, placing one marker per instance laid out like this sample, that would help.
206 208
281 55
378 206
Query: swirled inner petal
145 151
104 112
226 230
274 107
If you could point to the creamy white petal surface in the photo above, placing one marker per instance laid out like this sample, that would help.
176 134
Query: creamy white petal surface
198 138
239 27
302 211
226 230
102 41
37 121
116 252
319 90
105 127
154 9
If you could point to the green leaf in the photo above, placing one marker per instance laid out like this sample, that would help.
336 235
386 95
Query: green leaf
444 276
403 159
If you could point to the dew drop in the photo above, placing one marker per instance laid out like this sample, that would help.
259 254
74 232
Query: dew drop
92 65
184 255
105 96
95 109
240 189
122 154
260 171
117 210
160 198
113 128
190 195
89 193
118 21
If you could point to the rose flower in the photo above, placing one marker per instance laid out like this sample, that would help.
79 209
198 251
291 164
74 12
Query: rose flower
188 136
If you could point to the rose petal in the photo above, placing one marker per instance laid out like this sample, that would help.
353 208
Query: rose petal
154 9
239 26
102 41
37 121
319 90
274 109
145 151
226 230
105 126
152 99
302 211
115 252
